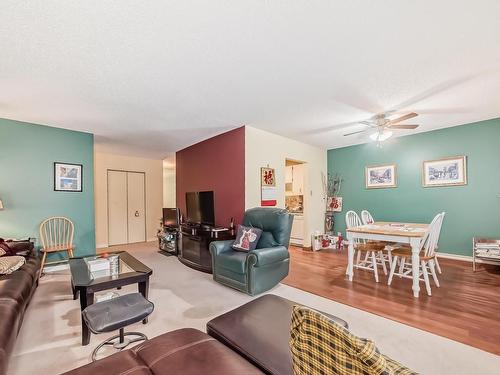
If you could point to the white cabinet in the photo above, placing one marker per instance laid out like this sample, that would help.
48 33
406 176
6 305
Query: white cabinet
298 179
288 175
297 235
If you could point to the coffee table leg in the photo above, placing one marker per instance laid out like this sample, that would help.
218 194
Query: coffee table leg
144 290
74 290
86 299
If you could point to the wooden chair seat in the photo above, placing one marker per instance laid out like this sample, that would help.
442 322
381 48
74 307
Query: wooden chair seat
369 247
405 252
53 249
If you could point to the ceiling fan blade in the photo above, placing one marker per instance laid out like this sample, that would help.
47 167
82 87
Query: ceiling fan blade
403 118
359 131
403 126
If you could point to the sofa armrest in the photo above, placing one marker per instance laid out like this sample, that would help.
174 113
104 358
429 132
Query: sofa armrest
219 247
268 255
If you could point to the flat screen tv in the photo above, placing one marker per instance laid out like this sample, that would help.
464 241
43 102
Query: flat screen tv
171 217
200 207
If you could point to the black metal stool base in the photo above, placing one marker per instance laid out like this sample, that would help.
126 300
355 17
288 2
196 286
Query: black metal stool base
119 341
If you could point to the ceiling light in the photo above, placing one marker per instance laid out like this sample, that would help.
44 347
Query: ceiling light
381 136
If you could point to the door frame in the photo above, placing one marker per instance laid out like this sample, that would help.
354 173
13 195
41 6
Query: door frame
126 187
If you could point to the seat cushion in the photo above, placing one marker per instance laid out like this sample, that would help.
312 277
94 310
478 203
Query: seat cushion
235 261
126 362
10 314
17 286
117 313
185 351
260 331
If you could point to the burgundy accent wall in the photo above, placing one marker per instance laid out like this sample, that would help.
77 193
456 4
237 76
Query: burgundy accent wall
216 164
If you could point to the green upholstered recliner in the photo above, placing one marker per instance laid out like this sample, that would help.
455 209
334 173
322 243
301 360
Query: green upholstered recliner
261 269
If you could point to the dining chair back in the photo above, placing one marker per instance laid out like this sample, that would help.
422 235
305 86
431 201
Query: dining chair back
366 217
56 234
352 219
432 238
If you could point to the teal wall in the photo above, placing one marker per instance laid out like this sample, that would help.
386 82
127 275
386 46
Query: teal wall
27 154
471 210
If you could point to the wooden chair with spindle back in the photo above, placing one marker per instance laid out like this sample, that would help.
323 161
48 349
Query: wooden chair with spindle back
370 250
384 255
56 234
427 256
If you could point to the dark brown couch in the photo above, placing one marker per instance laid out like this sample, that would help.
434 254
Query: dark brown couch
251 339
16 291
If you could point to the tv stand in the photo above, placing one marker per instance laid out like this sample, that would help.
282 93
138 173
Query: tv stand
194 245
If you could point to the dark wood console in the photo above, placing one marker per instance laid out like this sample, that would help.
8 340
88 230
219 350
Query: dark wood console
194 245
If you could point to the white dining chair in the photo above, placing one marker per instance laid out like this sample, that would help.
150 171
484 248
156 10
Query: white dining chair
385 254
427 256
370 261
366 217
56 234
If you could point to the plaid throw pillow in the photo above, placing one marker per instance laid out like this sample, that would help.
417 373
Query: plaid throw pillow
247 238
320 346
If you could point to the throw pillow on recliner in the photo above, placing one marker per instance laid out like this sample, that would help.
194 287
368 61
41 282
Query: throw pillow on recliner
247 238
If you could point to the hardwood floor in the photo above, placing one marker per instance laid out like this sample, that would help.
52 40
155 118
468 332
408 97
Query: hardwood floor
466 308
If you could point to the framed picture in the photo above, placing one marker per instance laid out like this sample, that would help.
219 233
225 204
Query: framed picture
334 204
380 176
445 172
268 195
68 177
267 177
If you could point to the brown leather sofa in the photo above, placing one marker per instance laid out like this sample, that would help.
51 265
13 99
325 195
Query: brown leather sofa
251 339
16 291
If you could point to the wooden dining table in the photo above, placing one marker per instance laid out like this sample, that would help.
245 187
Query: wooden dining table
404 233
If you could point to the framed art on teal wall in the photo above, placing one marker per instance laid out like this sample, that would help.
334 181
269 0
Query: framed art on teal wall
68 177
380 176
445 172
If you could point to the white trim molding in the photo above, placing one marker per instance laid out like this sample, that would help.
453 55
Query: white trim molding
463 258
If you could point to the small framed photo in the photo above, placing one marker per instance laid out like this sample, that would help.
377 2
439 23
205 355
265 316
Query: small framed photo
334 204
68 177
380 176
445 172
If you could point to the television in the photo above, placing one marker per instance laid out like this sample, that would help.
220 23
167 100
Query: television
171 217
200 207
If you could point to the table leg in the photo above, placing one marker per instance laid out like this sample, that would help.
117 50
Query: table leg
74 290
144 290
350 257
415 265
86 299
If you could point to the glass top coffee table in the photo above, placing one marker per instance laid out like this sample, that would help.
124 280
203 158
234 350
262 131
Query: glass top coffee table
85 283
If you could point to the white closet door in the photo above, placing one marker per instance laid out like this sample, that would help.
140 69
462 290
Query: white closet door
117 208
136 207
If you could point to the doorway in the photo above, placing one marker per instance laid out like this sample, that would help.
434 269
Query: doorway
126 207
295 198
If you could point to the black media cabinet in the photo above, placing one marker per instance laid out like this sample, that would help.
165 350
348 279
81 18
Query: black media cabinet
194 243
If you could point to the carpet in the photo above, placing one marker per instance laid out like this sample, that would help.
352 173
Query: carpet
50 340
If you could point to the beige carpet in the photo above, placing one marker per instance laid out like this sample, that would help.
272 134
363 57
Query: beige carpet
49 340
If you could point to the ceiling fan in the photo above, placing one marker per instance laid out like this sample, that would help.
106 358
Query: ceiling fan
383 126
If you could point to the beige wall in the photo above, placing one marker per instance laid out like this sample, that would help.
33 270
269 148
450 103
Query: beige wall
262 149
154 191
169 199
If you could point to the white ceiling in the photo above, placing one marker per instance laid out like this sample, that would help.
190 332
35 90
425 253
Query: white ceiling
151 77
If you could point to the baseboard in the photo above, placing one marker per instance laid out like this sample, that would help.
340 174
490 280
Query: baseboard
463 258
101 245
56 267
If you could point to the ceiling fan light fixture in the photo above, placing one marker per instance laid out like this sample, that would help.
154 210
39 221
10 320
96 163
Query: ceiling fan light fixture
381 136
